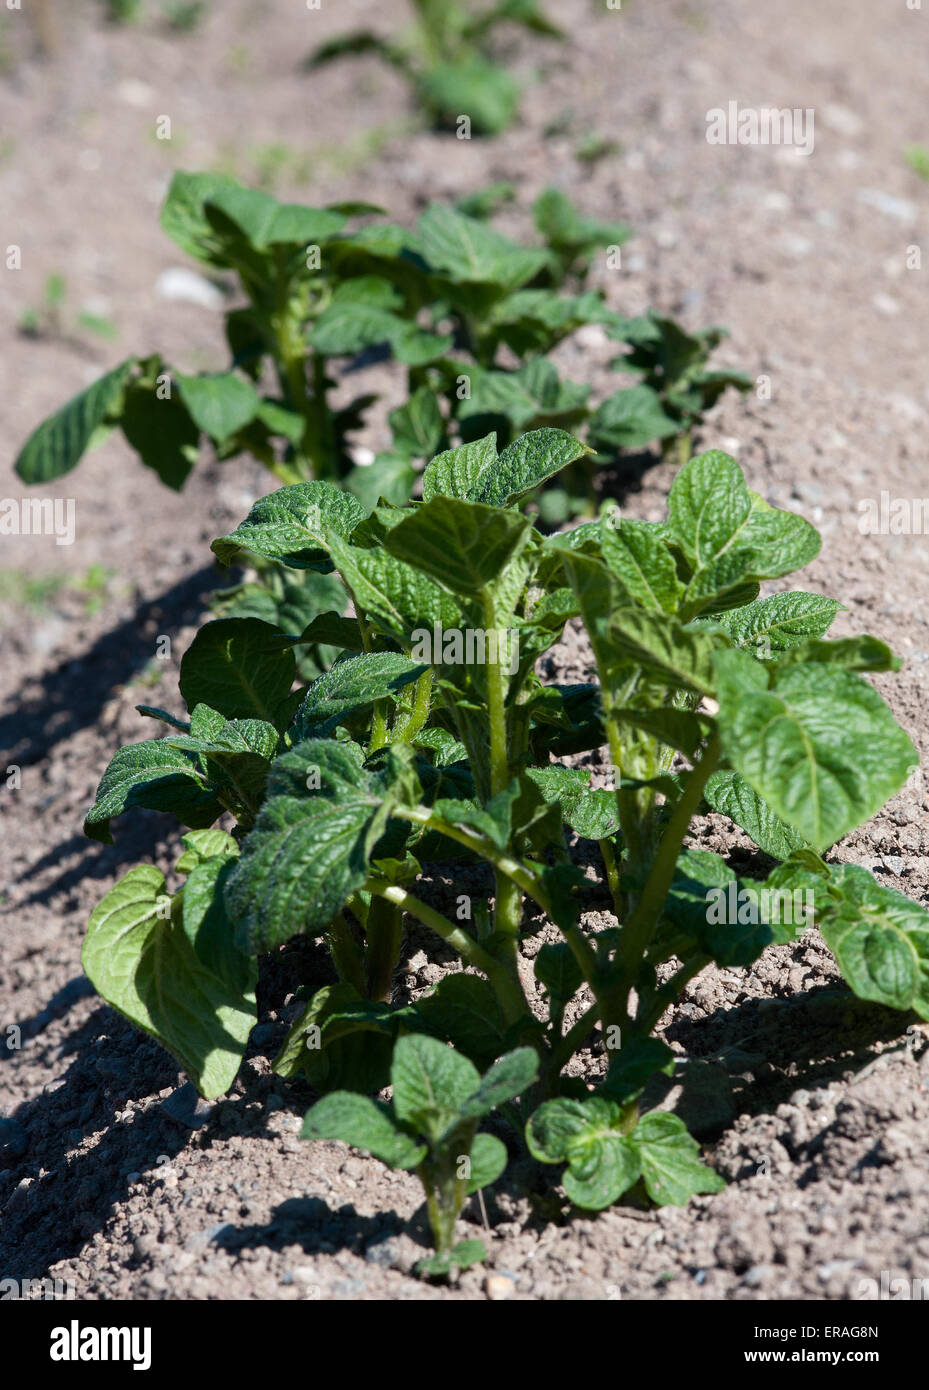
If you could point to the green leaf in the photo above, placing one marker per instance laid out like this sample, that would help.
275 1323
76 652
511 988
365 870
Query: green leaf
731 795
183 217
557 971
482 90
634 1065
236 666
351 685
418 425
879 937
602 1162
533 395
455 472
681 729
507 1078
730 534
355 1041
670 1160
311 844
266 222
162 433
469 252
359 1121
461 1256
464 1009
567 230
861 653
488 1161
431 1082
143 964
399 599
208 929
58 443
636 554
773 625
700 906
461 545
293 525
219 405
653 640
527 463
630 419
819 746
201 845
157 776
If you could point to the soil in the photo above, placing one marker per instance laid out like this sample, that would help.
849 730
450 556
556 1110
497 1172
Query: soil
812 1105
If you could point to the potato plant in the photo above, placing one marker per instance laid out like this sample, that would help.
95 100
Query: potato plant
447 58
447 301
432 737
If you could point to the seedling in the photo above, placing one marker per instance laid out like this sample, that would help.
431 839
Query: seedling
416 746
438 1101
447 59
50 321
917 157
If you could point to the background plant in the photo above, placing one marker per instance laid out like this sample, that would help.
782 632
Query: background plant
447 57
707 696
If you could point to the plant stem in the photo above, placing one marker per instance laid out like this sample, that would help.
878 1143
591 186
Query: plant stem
508 989
384 931
637 932
521 874
508 908
611 866
346 953
406 731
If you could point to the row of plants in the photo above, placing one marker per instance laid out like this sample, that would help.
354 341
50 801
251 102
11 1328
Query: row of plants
470 316
432 738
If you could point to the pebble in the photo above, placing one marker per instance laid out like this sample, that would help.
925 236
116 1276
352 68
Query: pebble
187 1107
900 208
498 1286
893 862
179 283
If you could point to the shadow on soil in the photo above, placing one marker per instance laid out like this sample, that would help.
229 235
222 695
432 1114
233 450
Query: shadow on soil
71 694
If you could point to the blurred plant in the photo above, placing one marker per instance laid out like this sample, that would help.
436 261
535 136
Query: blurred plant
48 320
446 57
122 11
917 157
184 15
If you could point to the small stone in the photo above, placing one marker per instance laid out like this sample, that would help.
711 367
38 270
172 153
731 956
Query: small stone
179 283
187 1107
899 208
893 862
498 1287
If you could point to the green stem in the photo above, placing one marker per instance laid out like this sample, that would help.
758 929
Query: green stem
346 953
508 908
509 990
612 868
384 931
521 874
407 730
638 930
